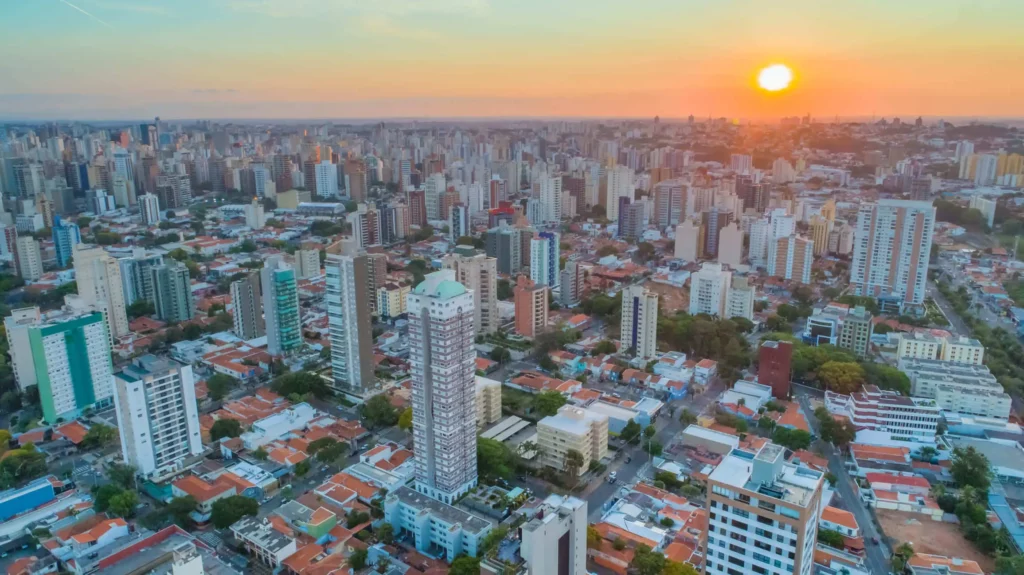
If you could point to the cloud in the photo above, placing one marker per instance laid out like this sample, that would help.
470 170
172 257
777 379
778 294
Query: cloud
96 18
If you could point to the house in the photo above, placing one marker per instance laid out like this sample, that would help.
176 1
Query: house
705 370
923 564
912 484
205 494
845 523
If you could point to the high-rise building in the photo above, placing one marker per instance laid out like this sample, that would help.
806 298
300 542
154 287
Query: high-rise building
986 207
365 222
730 245
417 208
281 307
709 287
65 354
820 228
531 301
172 291
355 176
157 416
136 281
669 203
739 301
572 284
551 198
688 242
349 315
891 248
65 237
479 274
247 299
555 540
782 171
760 237
325 176
443 386
793 258
150 206
620 185
307 262
28 258
632 219
433 189
545 259
856 332
458 222
774 366
741 163
763 512
639 325
281 165
99 284
254 217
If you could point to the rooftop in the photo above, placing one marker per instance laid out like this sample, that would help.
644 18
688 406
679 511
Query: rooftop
440 285
447 513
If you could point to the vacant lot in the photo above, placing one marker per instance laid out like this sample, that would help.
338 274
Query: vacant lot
933 537
671 298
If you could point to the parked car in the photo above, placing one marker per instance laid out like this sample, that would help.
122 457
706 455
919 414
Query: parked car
612 476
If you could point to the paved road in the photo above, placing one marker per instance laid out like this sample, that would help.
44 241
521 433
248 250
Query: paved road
956 324
875 558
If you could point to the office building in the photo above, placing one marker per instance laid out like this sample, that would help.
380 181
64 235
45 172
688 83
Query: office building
962 349
349 315
820 228
29 258
572 284
887 411
892 246
157 416
99 284
531 301
505 244
739 301
688 244
65 237
136 281
763 514
620 185
488 401
730 245
172 291
544 259
325 176
639 325
669 203
551 198
959 388
433 188
709 289
774 366
247 302
65 354
307 263
572 429
824 324
793 256
150 206
555 540
713 220
281 307
443 362
479 274
855 333
458 222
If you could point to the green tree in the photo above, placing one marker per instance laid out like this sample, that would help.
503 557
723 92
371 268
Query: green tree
501 354
227 511
180 509
593 537
122 474
494 459
676 568
464 565
841 377
386 533
99 436
603 347
378 412
10 401
405 420
504 289
794 439
141 308
631 431
357 560
573 462
886 377
687 417
831 538
103 494
900 556
225 428
123 504
260 454
971 468
302 467
356 518
547 402
301 382
647 562
220 385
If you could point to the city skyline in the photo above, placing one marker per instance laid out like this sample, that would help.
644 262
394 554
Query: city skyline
250 59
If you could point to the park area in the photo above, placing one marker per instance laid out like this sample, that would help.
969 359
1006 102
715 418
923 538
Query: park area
932 537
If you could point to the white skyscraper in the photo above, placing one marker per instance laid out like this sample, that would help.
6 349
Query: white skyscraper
551 198
29 258
760 237
99 284
326 175
544 259
891 248
687 241
157 415
443 386
349 317
254 216
150 205
639 325
708 289
432 190
620 185
730 245
741 163
555 541
964 149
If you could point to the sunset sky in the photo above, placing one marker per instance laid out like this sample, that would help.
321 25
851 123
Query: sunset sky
113 59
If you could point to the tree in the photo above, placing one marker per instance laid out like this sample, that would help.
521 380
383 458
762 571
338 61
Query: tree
98 436
831 538
676 568
230 509
329 452
10 401
122 474
181 509
687 417
5 440
900 556
607 251
356 518
593 537
501 354
1010 565
357 560
573 462
841 377
220 385
885 376
494 459
647 562
548 402
504 289
464 565
794 439
631 431
776 323
302 467
123 504
225 428
301 382
386 533
405 420
971 468
603 347
102 495
378 412
260 454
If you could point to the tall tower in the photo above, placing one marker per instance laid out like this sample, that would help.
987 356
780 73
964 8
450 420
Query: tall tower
891 247
443 386
479 274
172 291
281 307
544 259
247 299
65 237
348 297
99 284
639 321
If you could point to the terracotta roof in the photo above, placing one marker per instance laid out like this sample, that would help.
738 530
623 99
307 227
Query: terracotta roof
93 535
953 564
908 480
73 431
200 489
839 517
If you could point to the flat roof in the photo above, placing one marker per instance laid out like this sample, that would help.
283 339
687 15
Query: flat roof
613 411
451 515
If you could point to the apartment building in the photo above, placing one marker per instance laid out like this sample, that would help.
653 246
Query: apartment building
919 345
531 307
763 514
488 401
960 388
709 289
479 274
247 307
572 428
887 411
391 299
739 300
350 325
891 248
639 325
962 349
554 542
856 331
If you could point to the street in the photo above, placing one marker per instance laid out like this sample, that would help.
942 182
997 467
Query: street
875 555
957 325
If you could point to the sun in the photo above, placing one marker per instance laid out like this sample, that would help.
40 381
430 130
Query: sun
775 77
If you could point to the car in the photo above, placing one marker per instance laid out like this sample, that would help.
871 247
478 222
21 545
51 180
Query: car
874 540
629 458
612 476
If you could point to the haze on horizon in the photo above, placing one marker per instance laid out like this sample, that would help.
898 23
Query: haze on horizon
115 59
